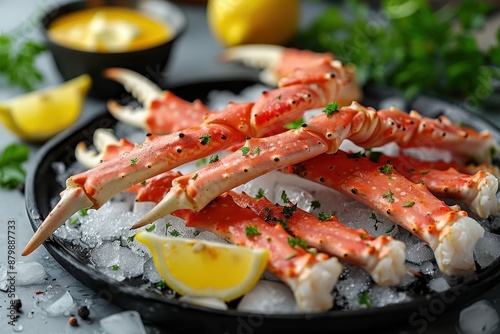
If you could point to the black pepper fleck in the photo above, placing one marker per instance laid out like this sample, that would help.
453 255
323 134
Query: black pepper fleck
181 135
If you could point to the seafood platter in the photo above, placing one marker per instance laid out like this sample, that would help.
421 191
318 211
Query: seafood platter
367 208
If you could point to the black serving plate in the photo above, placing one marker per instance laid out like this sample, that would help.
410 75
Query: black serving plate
180 317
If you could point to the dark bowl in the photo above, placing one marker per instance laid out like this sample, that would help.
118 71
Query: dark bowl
174 316
149 62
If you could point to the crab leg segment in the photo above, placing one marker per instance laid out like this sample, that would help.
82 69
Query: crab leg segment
383 257
450 233
311 277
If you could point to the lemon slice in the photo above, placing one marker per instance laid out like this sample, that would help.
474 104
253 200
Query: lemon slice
39 115
205 269
253 22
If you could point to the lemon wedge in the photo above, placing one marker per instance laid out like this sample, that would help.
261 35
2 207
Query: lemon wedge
205 269
39 115
253 21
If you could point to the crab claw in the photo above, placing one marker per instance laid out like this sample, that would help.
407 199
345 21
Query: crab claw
282 67
141 88
91 158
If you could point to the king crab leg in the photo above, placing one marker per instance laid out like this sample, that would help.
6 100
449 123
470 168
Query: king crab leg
311 277
383 257
450 233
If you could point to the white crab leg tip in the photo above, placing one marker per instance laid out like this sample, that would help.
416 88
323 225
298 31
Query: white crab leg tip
88 158
139 86
486 203
72 200
135 117
104 137
389 270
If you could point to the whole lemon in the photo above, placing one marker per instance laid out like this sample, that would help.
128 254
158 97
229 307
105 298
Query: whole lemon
235 22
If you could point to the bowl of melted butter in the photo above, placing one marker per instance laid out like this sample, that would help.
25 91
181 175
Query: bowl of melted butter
88 37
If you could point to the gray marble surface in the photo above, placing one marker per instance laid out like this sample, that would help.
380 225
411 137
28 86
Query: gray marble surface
194 59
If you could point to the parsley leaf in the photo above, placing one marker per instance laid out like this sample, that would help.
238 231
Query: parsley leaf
386 169
251 230
389 197
205 139
245 150
409 204
324 216
150 228
315 204
12 173
297 242
284 197
294 124
364 299
133 161
331 108
260 193
213 158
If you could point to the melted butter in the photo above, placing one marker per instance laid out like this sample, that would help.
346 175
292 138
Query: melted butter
109 29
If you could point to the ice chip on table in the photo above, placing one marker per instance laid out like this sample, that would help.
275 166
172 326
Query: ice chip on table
55 301
487 249
439 284
419 253
268 297
127 322
479 318
214 303
29 272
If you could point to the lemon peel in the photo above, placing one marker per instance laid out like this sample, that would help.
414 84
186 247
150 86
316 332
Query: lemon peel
238 22
205 269
37 116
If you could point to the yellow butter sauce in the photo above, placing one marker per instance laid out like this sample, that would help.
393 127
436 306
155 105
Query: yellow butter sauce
133 30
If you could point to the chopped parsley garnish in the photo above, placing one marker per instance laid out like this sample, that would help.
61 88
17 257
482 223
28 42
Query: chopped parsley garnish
115 267
161 285
213 158
245 150
143 183
324 216
363 236
150 228
297 242
167 225
374 217
83 212
256 150
389 197
260 193
284 223
133 161
284 197
194 177
409 204
289 210
251 230
331 108
373 156
174 233
364 299
386 169
315 205
294 124
131 238
201 162
205 139
73 221
389 230
278 97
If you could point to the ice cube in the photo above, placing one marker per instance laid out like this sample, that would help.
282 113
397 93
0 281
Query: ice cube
129 263
150 272
357 215
419 253
205 301
296 195
353 282
383 295
487 249
427 268
117 261
439 284
127 322
29 273
209 236
268 298
106 254
480 317
55 301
